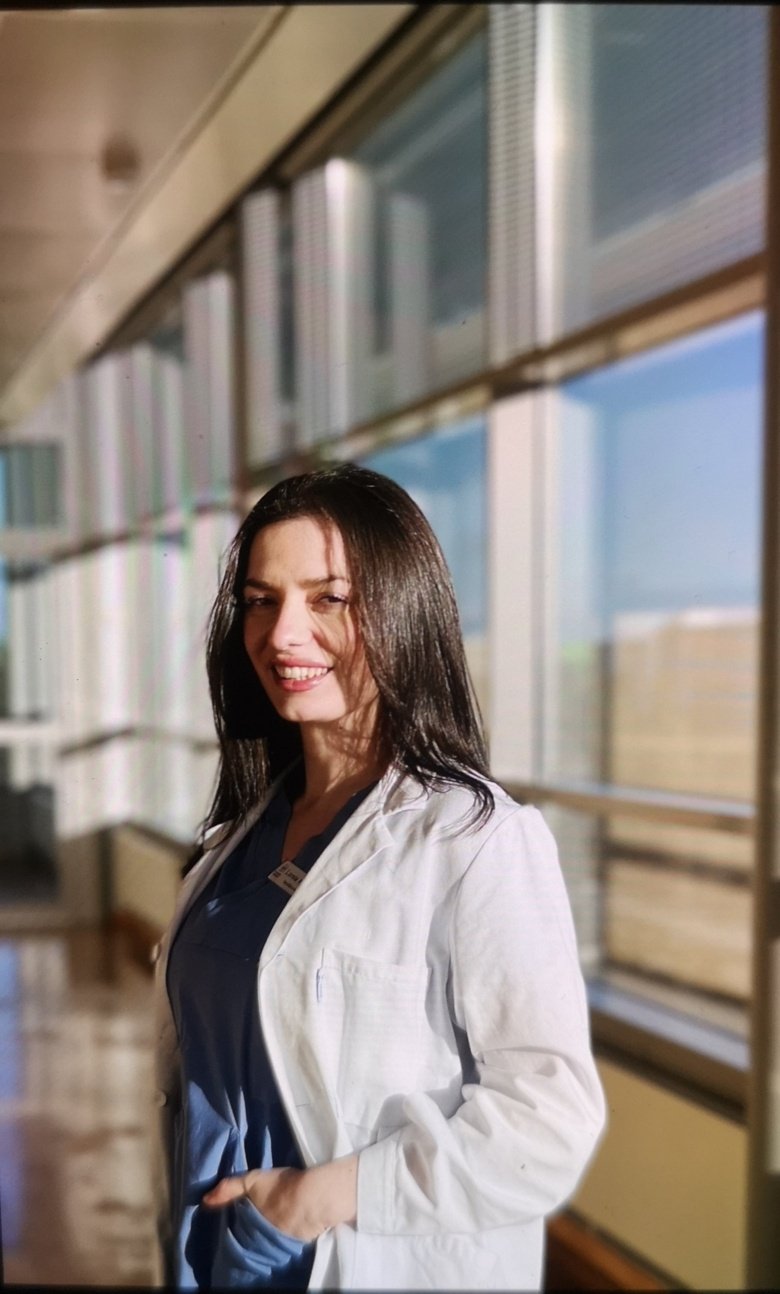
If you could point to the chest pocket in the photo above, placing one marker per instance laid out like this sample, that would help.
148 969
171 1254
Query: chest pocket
371 1015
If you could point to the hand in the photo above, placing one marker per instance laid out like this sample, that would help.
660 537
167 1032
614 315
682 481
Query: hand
274 1192
301 1202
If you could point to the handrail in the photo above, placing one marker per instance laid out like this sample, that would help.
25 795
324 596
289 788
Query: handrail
736 816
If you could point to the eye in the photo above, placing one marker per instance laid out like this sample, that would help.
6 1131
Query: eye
256 602
331 601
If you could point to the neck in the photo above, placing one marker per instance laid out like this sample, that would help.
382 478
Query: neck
338 762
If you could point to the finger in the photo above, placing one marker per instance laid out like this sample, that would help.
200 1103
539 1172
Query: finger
227 1190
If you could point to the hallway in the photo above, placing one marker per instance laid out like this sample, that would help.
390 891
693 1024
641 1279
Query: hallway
75 1111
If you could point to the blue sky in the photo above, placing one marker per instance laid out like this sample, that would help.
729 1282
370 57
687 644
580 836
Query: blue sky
675 445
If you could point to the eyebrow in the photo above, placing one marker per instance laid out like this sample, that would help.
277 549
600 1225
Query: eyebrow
304 584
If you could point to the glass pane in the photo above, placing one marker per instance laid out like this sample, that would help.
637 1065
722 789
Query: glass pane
170 481
660 924
30 485
426 162
662 148
445 475
654 564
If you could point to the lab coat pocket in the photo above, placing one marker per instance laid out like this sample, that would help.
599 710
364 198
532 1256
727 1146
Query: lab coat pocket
253 1252
371 1014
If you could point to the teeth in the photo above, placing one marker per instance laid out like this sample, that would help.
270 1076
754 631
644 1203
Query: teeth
300 672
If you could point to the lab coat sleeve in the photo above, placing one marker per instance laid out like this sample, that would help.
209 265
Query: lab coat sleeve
515 1147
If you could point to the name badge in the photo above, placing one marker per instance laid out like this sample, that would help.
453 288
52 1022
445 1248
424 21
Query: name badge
287 876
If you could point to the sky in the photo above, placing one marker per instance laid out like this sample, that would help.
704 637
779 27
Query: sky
668 464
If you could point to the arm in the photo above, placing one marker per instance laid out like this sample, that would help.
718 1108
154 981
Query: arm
516 1146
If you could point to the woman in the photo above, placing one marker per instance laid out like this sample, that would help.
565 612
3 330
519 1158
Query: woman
374 1062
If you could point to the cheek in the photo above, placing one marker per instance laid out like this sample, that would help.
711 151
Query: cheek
252 644
361 678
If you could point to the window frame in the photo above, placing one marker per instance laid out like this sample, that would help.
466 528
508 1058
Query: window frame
697 1057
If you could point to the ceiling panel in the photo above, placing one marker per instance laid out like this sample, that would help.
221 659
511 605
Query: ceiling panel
40 263
46 192
71 81
69 77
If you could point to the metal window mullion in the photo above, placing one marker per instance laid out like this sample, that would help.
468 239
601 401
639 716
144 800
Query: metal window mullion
219 294
42 629
563 168
105 457
321 328
304 300
197 395
169 430
260 221
349 213
513 698
547 532
511 271
67 414
139 427
18 659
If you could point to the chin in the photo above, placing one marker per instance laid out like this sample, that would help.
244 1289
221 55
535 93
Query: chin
297 711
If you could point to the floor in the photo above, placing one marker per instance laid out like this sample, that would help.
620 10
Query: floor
75 1111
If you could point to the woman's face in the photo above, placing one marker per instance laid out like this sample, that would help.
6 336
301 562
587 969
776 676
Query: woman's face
300 627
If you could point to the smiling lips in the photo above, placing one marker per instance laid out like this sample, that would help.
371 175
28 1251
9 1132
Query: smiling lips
301 672
299 678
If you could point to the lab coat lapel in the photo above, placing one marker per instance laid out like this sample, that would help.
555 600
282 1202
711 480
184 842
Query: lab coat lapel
361 838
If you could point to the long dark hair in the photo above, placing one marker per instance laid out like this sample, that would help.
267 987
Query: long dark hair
428 716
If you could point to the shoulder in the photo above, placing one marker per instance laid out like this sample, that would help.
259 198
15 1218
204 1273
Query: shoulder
443 814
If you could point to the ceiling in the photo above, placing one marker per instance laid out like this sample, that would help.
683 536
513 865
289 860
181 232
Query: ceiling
74 83
124 135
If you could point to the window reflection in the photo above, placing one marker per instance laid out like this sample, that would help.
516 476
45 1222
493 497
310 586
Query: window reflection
426 162
658 551
662 140
653 645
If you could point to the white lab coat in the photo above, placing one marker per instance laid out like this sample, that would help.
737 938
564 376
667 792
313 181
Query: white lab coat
421 1003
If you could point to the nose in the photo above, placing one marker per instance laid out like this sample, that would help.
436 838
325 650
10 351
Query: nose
291 626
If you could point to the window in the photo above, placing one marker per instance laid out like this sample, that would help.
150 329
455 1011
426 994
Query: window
656 135
426 162
653 468
30 485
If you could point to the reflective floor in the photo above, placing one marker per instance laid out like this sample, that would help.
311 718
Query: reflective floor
75 1111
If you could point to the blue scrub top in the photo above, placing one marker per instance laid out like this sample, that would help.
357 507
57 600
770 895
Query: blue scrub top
232 1118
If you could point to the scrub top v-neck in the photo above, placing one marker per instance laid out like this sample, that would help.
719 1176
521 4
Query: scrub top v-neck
232 1118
